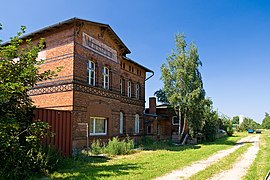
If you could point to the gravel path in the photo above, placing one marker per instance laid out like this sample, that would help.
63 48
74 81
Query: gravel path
188 171
240 168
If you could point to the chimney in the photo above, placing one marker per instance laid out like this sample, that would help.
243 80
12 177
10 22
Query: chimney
152 105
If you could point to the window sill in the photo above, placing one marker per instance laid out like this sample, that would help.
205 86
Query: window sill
98 134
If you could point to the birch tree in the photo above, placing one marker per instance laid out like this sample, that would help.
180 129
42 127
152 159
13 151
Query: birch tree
183 84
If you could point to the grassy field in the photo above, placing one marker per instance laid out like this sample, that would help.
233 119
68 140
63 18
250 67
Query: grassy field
145 164
261 165
224 164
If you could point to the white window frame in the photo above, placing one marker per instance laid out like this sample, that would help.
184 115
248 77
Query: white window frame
94 126
137 124
106 77
129 88
90 70
173 120
137 90
121 122
121 86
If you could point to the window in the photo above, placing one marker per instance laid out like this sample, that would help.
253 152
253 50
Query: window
121 86
175 120
105 79
129 89
98 126
137 90
91 73
149 129
121 123
137 124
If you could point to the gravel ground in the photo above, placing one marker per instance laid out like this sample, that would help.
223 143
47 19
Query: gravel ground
240 168
188 171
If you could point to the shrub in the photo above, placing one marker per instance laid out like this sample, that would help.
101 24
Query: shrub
96 147
117 147
21 151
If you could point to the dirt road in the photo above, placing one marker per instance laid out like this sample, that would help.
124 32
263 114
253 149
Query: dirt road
248 158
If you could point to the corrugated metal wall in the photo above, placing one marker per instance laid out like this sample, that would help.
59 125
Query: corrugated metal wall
60 122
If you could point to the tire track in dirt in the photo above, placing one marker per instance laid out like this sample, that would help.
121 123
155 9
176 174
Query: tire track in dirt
240 168
197 166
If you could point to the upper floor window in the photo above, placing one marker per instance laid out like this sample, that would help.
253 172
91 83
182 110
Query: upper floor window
105 79
121 123
137 90
121 86
91 73
129 89
137 124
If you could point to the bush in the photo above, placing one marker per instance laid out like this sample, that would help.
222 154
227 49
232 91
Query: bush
117 147
21 151
96 147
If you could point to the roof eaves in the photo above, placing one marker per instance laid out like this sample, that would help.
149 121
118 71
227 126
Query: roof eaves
147 70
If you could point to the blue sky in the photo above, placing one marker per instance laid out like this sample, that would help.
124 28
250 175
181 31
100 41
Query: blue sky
232 38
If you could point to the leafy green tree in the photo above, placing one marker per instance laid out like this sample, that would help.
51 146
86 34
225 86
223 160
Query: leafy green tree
161 96
266 121
20 148
211 121
183 84
249 123
226 124
235 120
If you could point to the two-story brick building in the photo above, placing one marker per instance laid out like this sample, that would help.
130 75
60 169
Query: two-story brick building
98 82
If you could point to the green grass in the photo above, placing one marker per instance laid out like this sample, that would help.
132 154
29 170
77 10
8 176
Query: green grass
146 164
223 164
261 165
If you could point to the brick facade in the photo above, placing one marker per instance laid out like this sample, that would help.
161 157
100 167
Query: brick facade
71 90
159 123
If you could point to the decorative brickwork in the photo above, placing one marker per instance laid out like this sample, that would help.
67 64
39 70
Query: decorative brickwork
73 44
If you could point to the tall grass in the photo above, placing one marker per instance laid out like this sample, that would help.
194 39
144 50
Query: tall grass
115 146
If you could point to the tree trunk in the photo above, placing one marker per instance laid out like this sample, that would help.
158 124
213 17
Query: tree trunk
179 126
184 126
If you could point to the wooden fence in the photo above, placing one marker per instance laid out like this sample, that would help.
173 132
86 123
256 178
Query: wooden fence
61 125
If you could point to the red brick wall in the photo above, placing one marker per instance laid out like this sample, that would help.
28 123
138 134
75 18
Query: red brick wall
70 91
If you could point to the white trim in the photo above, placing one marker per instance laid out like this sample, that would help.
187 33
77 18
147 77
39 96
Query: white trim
89 73
121 123
137 124
104 75
94 126
137 90
129 88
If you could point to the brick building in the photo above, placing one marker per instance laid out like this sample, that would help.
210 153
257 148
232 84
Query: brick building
98 82
161 122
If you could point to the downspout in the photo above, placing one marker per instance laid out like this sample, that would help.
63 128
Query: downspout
150 75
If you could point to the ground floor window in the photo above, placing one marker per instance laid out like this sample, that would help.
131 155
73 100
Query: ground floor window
121 123
175 120
149 129
98 126
137 123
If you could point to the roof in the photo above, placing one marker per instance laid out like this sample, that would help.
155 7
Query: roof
130 60
74 20
70 21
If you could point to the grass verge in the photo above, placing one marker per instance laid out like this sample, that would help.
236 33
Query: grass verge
261 165
142 165
224 164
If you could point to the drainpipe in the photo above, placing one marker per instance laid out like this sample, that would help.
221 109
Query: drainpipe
87 136
150 75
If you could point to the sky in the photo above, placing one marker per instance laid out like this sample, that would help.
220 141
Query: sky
232 37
